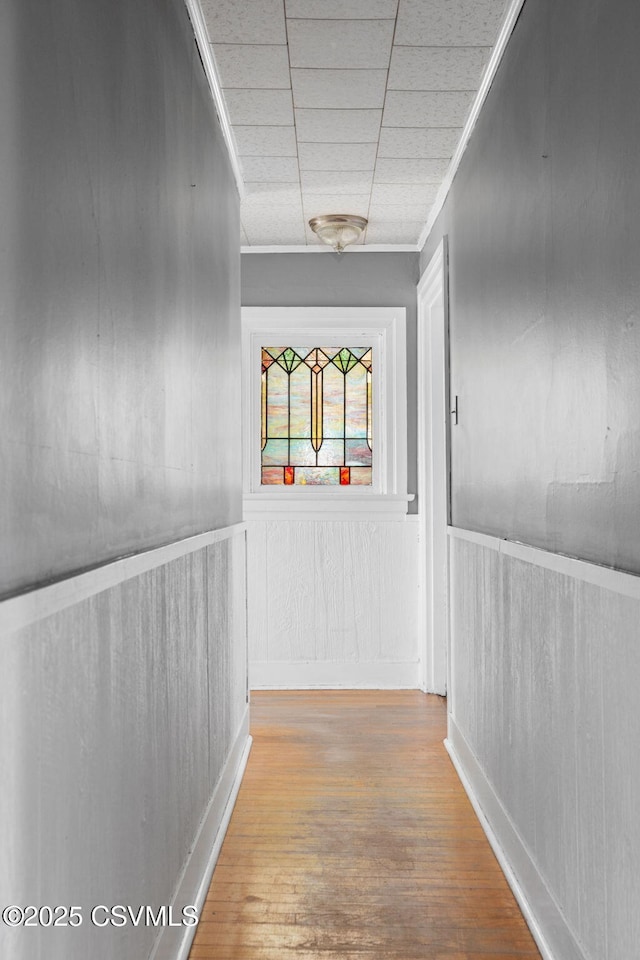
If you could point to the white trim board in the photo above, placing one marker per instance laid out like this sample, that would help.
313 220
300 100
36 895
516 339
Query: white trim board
211 71
550 930
18 612
495 60
315 248
627 584
433 471
333 675
174 943
321 508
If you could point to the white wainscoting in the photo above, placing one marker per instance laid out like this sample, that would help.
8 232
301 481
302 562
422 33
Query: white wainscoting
123 736
544 729
333 604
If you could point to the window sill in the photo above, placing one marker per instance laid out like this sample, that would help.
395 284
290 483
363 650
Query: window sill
323 506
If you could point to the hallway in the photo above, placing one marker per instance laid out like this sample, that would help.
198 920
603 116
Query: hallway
352 837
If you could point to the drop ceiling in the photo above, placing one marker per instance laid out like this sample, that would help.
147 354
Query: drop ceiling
347 106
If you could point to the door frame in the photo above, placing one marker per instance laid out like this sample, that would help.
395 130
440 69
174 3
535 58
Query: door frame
434 470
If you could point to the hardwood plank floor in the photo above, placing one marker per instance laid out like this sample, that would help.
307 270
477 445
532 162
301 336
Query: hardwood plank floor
353 839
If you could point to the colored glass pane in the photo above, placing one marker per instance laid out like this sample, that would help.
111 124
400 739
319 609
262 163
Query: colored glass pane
316 419
360 476
331 453
356 402
333 402
300 402
301 453
277 402
357 453
272 475
275 453
317 475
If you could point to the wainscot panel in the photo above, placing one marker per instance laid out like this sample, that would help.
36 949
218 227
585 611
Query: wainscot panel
124 730
544 728
333 604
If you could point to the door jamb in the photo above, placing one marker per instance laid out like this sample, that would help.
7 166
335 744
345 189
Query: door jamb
433 470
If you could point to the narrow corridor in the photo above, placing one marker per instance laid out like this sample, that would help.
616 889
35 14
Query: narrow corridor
352 839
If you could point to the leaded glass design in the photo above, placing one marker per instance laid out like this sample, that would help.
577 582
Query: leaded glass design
317 415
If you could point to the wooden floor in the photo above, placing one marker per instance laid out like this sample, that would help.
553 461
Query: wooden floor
352 839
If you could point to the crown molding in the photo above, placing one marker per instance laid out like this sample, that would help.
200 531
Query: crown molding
208 61
497 54
316 248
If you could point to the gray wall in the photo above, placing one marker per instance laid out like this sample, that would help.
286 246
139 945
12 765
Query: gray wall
120 334
349 280
544 245
119 288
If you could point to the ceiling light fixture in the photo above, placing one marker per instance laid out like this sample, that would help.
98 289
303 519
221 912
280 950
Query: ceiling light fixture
338 229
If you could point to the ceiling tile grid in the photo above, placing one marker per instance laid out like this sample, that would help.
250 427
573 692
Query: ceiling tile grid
347 106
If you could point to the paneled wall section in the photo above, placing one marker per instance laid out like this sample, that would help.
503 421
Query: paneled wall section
545 670
333 603
118 715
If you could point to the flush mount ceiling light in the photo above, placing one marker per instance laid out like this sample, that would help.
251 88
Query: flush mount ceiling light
338 229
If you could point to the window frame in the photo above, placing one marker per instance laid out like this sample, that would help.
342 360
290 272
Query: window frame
382 328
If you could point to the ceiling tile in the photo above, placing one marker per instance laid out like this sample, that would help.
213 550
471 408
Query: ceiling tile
407 142
270 169
267 217
271 224
432 23
260 107
437 68
272 212
388 212
317 205
337 156
260 21
338 126
251 65
276 235
417 194
283 195
338 88
340 44
426 109
342 9
336 182
406 231
410 171
265 141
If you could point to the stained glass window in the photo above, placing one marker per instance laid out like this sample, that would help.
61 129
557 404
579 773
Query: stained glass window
316 415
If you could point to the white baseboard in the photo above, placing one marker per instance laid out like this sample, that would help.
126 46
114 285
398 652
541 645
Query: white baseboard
548 926
174 943
333 674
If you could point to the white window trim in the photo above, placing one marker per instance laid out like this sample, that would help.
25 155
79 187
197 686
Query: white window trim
383 328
